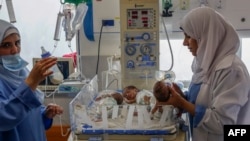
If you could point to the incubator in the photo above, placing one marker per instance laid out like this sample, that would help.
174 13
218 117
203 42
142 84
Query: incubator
117 119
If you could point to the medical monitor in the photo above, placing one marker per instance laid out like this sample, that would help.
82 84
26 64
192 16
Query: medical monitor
66 67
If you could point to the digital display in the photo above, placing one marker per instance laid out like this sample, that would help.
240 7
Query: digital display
141 18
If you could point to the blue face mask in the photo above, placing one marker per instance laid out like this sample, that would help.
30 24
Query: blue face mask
13 62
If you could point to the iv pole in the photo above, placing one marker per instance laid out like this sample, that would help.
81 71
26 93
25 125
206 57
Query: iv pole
74 31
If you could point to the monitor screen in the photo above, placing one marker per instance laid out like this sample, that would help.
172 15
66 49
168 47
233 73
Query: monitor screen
65 65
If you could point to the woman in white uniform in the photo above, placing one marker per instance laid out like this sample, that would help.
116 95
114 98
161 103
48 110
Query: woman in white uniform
220 87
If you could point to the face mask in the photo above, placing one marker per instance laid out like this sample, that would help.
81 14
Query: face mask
13 62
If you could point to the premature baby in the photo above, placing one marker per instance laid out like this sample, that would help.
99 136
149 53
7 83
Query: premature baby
129 93
161 94
161 91
132 95
116 96
108 100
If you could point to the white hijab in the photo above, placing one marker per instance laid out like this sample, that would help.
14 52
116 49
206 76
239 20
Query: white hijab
216 39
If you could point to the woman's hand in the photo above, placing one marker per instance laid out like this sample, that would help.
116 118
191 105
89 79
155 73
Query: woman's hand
175 98
52 110
180 102
40 71
178 90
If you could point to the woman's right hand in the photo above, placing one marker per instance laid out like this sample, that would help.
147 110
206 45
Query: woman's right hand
40 71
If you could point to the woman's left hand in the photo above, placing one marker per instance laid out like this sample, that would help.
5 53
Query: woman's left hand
175 98
52 110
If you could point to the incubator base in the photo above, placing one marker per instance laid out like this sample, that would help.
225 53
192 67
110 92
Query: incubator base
180 136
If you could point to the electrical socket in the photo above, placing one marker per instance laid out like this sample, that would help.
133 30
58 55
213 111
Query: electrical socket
108 22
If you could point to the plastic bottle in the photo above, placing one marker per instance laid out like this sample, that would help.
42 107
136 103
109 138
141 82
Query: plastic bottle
81 11
57 76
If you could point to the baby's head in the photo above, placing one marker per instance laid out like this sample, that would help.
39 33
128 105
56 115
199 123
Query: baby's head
161 91
130 92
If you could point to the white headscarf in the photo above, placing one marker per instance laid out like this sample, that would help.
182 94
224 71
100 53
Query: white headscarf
6 29
216 39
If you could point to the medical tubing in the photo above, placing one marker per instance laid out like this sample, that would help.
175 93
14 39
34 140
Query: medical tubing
98 55
60 117
115 79
57 34
78 57
170 48
69 43
61 126
67 24
58 27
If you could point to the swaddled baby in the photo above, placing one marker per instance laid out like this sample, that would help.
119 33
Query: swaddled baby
117 97
109 100
132 95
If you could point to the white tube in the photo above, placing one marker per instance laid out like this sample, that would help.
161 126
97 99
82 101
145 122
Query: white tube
58 28
67 24
11 11
81 11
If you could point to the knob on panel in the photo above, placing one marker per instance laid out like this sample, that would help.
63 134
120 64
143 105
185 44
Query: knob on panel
146 49
145 36
130 50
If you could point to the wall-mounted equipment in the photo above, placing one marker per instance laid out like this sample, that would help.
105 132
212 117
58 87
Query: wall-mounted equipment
139 42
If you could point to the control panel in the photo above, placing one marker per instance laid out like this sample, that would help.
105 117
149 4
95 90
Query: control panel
139 42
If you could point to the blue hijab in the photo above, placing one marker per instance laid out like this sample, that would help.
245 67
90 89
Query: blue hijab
14 78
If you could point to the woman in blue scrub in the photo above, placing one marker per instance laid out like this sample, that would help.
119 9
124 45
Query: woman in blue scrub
220 87
22 115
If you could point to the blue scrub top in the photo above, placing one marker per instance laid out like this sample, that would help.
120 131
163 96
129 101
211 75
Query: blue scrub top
191 96
22 115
